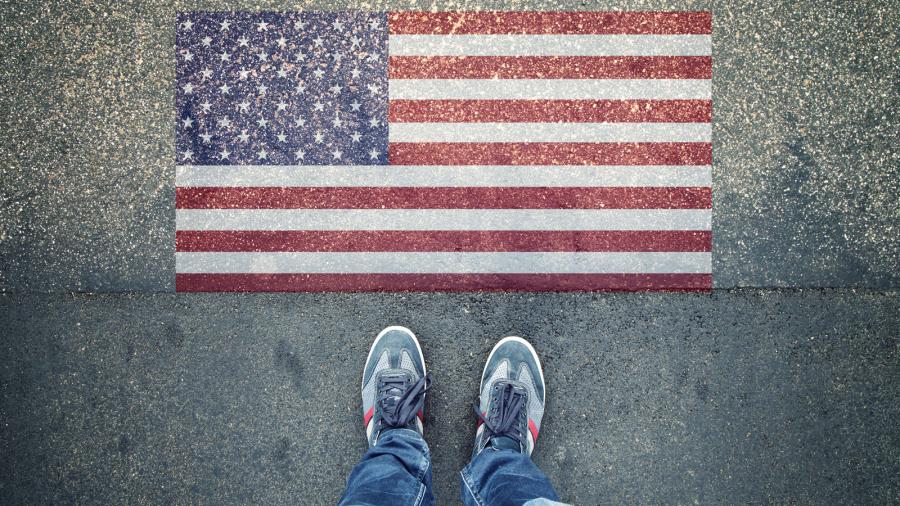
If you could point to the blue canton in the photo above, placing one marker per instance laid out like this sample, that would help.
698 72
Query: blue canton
281 88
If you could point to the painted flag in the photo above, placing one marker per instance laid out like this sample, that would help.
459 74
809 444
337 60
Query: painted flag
357 151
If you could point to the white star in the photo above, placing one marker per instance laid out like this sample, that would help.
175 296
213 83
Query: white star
262 26
281 137
282 73
280 106
337 122
319 137
374 24
354 106
374 122
354 41
225 88
244 136
373 57
373 154
244 106
301 56
318 41
262 56
224 56
205 74
262 89
187 25
187 55
225 123
243 42
300 88
205 106
188 88
299 24
224 25
224 154
337 57
263 154
206 138
281 41
262 122
337 25
336 154
356 136
206 41
336 89
354 73
299 121
243 74
318 106
187 122
299 154
187 154
319 73
373 89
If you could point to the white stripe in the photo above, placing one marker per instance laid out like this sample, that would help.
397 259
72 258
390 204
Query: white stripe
550 45
440 263
443 219
549 89
550 132
447 175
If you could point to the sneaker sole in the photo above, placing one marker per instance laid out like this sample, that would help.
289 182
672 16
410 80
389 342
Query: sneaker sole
534 354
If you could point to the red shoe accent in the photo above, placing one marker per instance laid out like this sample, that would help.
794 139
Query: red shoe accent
421 416
533 429
368 416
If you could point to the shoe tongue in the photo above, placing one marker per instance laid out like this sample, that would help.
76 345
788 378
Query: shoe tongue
504 443
394 391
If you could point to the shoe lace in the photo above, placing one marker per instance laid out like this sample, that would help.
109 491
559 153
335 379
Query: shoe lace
399 405
509 408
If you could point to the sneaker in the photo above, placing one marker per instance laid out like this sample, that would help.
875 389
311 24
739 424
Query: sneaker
394 384
511 400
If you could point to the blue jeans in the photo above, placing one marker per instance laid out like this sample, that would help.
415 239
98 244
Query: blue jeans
397 471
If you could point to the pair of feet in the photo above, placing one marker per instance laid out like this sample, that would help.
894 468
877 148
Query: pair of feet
511 395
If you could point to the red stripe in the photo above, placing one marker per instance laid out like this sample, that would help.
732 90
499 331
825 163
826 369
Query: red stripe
438 282
533 428
366 417
494 22
550 67
538 111
550 153
443 198
439 240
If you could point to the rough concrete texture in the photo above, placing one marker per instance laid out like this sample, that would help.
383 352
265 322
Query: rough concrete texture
805 169
735 397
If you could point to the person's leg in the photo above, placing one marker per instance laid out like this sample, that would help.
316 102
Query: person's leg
510 409
397 467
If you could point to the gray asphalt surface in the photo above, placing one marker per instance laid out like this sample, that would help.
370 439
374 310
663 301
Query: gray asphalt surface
730 398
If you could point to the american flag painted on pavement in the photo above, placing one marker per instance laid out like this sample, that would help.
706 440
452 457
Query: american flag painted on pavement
443 151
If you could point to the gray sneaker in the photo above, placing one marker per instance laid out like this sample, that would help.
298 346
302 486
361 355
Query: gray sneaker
511 400
394 384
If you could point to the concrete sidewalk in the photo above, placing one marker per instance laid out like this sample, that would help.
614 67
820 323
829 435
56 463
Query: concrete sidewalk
733 397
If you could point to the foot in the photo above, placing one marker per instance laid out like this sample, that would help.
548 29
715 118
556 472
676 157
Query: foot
394 383
511 400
